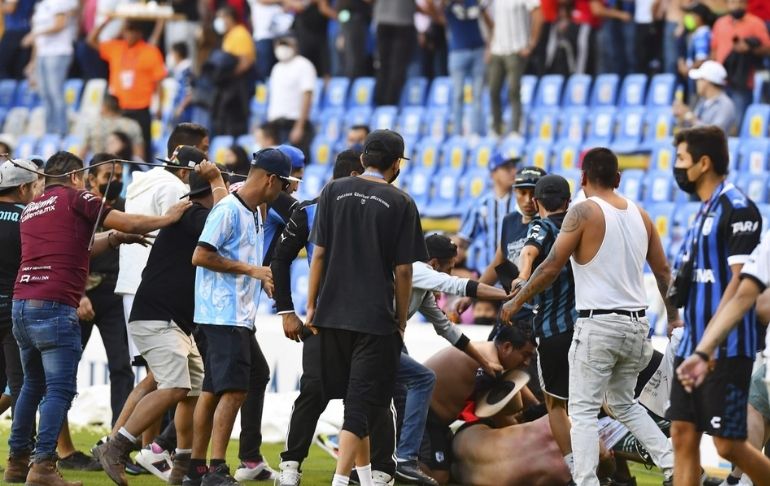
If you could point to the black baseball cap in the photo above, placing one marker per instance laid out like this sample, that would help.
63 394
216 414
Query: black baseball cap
200 186
440 246
275 162
528 177
385 141
185 156
552 186
701 11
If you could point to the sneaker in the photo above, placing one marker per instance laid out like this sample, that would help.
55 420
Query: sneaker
77 461
329 443
219 476
188 481
158 464
135 469
95 451
290 475
379 478
410 472
255 471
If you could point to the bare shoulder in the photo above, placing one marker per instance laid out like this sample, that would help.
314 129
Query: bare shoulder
578 215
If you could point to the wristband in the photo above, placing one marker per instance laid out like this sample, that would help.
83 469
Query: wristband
705 357
472 288
462 343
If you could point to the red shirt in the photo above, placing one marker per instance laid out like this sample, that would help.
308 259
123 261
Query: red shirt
55 231
581 14
726 28
760 8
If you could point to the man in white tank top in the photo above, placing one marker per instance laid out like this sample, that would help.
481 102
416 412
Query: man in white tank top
608 239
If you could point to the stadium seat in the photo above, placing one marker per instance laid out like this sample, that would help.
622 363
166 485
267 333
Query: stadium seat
755 122
528 88
577 91
418 186
410 120
512 148
384 117
358 115
472 185
572 125
538 154
601 127
426 156
16 120
25 96
48 145
361 93
316 102
247 143
300 271
632 184
336 94
440 95
321 150
25 147
169 88
3 113
259 101
764 210
414 91
443 202
436 123
573 176
481 153
659 187
754 186
663 157
733 147
7 92
753 154
218 146
658 127
630 130
685 213
36 122
760 82
661 215
72 143
661 92
633 90
330 123
93 94
548 93
605 90
454 156
543 124
313 180
72 90
566 156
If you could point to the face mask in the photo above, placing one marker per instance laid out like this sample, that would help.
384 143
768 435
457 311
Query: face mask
684 183
113 192
689 22
395 176
283 53
485 321
738 13
219 26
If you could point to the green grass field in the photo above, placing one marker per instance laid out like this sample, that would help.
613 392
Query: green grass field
317 469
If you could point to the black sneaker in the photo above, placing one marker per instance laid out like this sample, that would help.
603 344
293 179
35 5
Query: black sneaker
78 461
188 481
135 469
410 472
219 476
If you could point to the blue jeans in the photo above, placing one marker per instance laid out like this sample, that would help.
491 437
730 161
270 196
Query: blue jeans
51 75
467 63
670 47
419 382
265 58
48 334
742 98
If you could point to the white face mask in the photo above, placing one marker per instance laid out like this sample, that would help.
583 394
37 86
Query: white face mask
283 53
219 26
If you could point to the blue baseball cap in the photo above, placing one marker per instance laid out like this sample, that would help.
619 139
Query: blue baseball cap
499 159
295 155
273 161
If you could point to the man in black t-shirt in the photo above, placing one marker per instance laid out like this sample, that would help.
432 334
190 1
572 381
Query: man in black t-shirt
367 234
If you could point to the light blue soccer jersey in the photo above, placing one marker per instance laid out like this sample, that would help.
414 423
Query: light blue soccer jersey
224 298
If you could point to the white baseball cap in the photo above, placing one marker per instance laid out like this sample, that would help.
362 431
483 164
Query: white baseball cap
16 175
711 71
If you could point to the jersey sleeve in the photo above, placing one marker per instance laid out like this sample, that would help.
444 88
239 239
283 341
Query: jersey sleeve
537 234
757 267
702 46
108 49
410 246
218 228
87 205
743 233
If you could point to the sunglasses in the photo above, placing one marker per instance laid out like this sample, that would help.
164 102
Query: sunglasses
285 183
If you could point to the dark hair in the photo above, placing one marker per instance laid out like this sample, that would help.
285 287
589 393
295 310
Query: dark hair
707 141
228 11
127 152
186 134
361 127
600 166
519 333
181 49
379 160
552 203
111 103
270 130
59 164
93 169
133 25
242 162
347 161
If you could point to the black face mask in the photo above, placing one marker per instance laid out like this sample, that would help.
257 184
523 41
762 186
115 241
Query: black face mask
395 176
485 321
685 184
738 13
113 192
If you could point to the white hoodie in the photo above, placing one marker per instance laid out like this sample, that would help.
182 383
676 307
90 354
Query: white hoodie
150 193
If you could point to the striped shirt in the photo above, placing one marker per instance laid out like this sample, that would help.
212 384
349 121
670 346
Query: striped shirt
512 25
483 223
724 233
235 233
556 312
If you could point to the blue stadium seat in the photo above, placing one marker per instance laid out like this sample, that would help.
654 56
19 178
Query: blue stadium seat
321 150
661 92
602 127
436 123
313 180
384 117
7 92
454 156
605 90
358 115
755 186
528 89
426 156
685 213
633 90
25 96
247 143
733 147
658 127
764 210
92 96
472 185
543 124
577 91
753 154
410 121
629 136
72 143
318 96
661 215
482 153
572 125
418 186
632 184
300 271
259 100
440 95
512 148
573 176
48 145
414 91
659 187
663 157
539 154
566 156
16 120
443 202
218 146
330 123
26 146
759 83
361 92
755 122
336 94
3 113
549 91
72 90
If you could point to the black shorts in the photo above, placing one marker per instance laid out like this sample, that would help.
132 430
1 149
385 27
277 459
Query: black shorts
227 362
436 447
553 364
719 406
359 366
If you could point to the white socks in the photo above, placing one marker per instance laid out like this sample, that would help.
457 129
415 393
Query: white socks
570 461
127 435
340 480
365 475
183 451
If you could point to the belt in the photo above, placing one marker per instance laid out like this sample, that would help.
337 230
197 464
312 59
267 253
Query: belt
35 303
583 314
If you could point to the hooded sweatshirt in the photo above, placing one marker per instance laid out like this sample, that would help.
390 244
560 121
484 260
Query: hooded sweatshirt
150 193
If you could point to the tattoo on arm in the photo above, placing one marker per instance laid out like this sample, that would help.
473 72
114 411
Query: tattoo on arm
539 280
575 217
662 282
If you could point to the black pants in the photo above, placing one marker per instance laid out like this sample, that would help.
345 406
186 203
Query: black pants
251 410
383 437
230 113
143 118
13 57
112 328
315 47
395 46
13 374
355 58
284 126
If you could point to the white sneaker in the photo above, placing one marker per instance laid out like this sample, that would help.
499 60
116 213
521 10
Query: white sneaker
379 478
159 465
290 474
260 472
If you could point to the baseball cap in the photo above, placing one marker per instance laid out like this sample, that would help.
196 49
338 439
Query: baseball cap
552 185
15 175
295 155
385 141
528 177
499 159
711 71
440 246
185 156
200 186
702 11
273 161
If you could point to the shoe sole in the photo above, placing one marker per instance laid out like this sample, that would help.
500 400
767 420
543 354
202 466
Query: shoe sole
114 477
150 467
414 480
